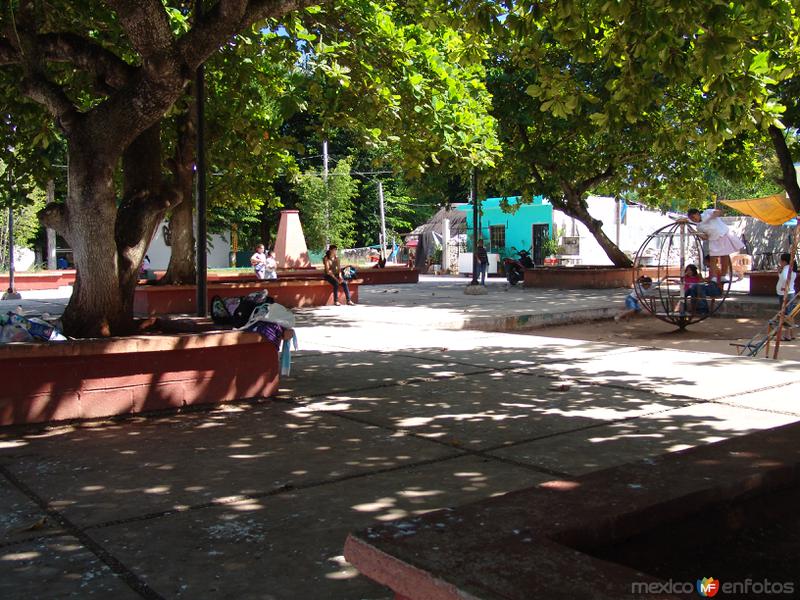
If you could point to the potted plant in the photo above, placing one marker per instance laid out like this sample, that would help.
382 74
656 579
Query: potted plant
550 247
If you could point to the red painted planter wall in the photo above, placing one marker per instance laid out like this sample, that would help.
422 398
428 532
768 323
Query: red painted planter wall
763 283
41 280
99 378
578 277
166 299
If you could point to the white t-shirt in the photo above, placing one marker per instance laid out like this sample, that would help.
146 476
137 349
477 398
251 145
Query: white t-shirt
786 272
258 260
271 267
712 225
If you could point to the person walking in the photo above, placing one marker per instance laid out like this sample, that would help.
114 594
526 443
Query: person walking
333 275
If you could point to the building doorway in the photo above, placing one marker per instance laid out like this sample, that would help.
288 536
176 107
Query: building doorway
539 233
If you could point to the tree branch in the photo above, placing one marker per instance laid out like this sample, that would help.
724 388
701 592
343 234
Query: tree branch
589 183
789 177
228 17
38 88
54 216
106 67
146 25
537 174
35 84
258 10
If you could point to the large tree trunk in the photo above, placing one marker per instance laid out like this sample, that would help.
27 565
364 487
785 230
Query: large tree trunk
575 206
181 269
134 94
108 242
145 201
96 308
788 173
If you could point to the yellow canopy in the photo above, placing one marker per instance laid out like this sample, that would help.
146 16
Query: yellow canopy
773 210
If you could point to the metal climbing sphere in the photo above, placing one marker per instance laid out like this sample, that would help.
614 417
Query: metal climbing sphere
664 257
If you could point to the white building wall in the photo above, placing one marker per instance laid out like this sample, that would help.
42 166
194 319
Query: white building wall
639 223
159 253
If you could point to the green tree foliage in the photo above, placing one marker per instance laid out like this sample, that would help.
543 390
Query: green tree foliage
734 63
108 74
26 224
373 68
399 209
18 190
746 167
326 207
558 149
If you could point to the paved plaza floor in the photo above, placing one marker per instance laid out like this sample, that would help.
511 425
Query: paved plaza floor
403 404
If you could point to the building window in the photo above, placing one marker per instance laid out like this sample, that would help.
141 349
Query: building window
497 238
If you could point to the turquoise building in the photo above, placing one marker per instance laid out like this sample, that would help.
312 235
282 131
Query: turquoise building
505 232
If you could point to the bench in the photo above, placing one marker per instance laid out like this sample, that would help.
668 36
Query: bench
547 541
84 379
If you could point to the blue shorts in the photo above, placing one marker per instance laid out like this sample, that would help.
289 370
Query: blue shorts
632 303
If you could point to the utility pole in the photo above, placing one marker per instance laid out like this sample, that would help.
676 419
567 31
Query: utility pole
202 225
473 195
11 293
327 196
474 288
51 234
383 220
445 245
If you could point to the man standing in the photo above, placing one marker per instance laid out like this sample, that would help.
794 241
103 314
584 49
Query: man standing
483 261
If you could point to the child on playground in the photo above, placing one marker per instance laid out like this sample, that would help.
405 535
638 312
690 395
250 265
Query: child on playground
645 288
692 282
787 274
721 242
259 262
271 266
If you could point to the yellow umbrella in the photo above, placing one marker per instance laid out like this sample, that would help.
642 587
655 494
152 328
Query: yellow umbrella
773 210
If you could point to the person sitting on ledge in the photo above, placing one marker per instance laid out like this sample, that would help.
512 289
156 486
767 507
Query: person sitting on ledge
333 275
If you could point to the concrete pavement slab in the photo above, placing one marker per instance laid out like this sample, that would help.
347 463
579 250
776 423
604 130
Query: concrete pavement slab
700 375
313 375
289 546
57 567
113 471
483 349
490 410
650 435
503 351
778 398
20 517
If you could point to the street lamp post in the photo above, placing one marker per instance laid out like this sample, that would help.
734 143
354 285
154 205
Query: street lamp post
202 224
11 293
474 288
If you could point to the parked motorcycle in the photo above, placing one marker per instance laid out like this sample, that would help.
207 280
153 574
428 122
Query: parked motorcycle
515 267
